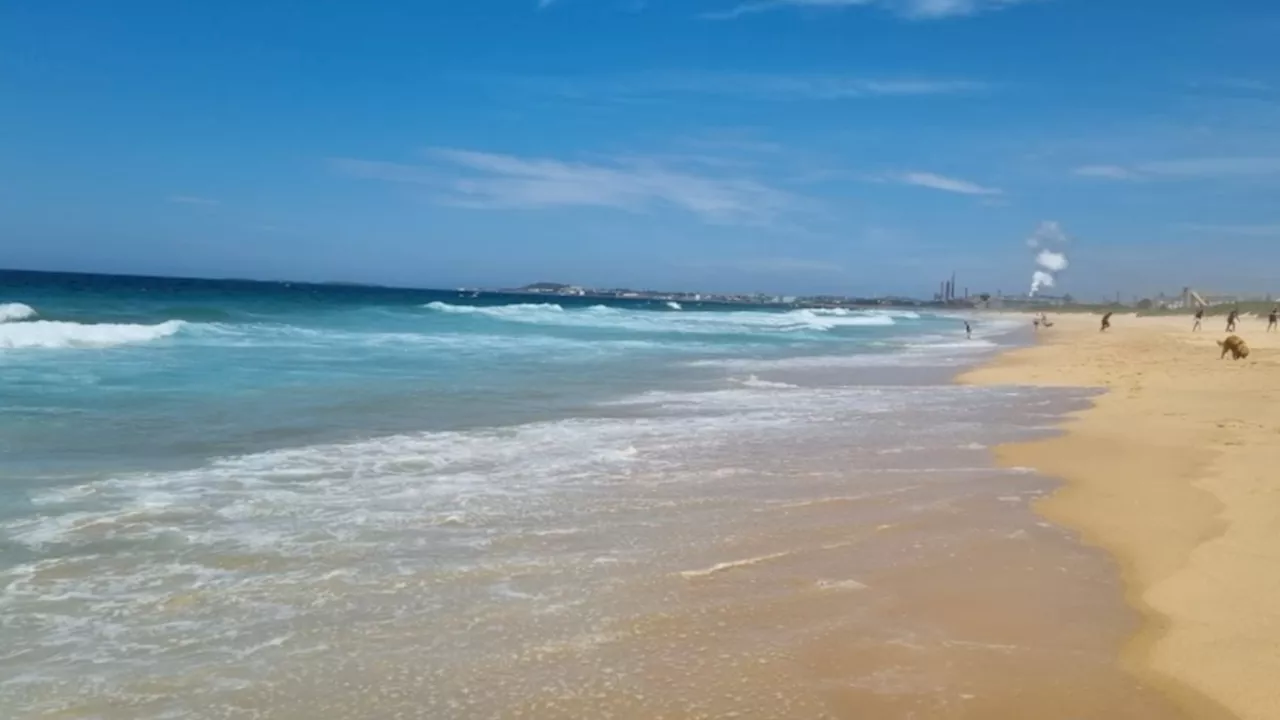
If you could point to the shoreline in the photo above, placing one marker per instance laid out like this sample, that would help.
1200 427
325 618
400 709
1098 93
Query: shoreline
1167 471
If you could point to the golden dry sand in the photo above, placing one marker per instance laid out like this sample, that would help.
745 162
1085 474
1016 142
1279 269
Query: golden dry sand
1176 472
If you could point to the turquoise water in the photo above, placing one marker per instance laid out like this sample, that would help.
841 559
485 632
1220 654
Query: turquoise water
209 482
146 373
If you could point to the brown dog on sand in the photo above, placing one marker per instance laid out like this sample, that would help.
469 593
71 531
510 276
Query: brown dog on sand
1234 345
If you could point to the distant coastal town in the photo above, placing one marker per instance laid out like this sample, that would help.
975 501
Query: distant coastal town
566 290
947 296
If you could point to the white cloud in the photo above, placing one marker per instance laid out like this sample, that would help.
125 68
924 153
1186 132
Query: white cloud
1109 172
192 200
946 184
911 9
481 180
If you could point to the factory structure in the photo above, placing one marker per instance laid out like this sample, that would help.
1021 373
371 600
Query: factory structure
947 292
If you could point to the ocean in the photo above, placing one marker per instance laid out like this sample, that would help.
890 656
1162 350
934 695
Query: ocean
248 500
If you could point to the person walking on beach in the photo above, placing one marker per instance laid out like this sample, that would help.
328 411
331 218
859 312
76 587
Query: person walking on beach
1272 318
1199 317
1231 320
968 331
1106 322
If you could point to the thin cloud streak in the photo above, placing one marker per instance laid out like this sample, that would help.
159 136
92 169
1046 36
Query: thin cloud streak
1110 172
757 86
753 8
933 181
1186 169
1252 231
908 9
492 181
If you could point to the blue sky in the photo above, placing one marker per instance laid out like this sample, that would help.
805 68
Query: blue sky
853 146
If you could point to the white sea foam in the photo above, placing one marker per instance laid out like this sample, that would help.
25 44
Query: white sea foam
515 311
457 344
731 565
755 382
820 362
57 335
845 585
13 312
674 305
726 322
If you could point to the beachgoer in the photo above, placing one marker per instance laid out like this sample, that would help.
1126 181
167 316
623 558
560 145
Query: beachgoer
968 331
1199 317
1272 319
1231 320
1106 322
1036 322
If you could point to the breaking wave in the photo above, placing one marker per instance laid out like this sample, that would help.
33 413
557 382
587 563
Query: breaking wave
722 322
13 312
57 335
498 311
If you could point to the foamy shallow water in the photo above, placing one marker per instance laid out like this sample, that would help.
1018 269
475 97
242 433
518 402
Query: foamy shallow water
573 512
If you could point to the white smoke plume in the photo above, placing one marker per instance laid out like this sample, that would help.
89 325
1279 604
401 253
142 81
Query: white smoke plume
1041 279
1049 262
1052 261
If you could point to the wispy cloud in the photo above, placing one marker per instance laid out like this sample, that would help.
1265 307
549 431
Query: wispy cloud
910 9
827 87
482 180
756 86
946 184
1251 231
753 8
1110 172
1187 169
1212 167
192 200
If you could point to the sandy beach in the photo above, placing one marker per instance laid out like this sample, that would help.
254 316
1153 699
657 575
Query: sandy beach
1173 472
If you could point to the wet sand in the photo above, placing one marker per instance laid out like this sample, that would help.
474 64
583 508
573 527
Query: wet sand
1173 472
871 581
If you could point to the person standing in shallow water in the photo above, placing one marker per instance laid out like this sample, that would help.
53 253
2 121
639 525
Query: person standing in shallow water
968 331
1199 317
